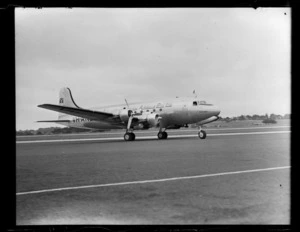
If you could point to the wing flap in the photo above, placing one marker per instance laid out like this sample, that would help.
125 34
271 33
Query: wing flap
79 112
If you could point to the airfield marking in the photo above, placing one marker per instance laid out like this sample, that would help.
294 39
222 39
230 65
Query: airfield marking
152 181
147 137
117 133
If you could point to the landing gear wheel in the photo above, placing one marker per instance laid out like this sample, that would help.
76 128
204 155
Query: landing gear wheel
162 135
165 135
129 136
202 134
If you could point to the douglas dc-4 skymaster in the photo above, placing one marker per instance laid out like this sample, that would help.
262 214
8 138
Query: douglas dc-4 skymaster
165 114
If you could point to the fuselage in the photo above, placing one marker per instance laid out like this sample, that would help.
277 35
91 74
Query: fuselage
173 112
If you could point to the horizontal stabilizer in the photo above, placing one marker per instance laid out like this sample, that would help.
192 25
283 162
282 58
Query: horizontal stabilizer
55 121
79 112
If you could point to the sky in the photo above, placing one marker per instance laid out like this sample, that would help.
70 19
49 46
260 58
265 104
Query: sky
236 58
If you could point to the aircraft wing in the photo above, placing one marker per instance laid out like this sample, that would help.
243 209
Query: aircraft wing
79 112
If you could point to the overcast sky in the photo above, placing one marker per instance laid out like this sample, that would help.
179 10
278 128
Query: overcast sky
236 58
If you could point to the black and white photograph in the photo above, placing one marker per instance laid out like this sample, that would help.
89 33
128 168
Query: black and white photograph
153 116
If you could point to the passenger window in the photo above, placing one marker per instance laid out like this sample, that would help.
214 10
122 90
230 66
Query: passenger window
159 105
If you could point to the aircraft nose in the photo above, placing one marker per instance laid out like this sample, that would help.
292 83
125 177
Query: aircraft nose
216 110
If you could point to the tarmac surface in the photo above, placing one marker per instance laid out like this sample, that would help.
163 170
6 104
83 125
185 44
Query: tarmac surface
234 176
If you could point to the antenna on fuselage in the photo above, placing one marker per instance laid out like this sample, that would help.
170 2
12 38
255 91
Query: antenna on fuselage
194 92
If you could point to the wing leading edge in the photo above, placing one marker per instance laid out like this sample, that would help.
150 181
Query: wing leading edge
79 112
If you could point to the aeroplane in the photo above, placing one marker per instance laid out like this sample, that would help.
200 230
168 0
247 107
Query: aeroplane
165 114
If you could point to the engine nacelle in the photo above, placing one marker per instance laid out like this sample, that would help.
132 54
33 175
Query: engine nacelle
153 120
125 114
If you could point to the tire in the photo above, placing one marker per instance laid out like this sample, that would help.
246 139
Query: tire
202 134
165 135
162 135
129 136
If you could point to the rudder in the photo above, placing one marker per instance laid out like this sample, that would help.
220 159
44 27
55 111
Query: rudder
66 99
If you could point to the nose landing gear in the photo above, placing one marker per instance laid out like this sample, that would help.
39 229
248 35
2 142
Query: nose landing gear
201 133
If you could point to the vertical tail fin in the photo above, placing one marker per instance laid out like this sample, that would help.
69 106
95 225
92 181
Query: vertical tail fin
66 99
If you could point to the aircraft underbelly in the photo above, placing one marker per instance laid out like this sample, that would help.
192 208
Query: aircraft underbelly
185 117
101 125
178 117
92 125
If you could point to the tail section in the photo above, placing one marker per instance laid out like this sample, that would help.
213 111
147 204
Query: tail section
66 99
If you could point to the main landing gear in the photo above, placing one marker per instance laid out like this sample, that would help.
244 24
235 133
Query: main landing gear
129 136
201 133
162 135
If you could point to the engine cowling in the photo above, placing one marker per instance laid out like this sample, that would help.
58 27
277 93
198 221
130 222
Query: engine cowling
153 120
125 114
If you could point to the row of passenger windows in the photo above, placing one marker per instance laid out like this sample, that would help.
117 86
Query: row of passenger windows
152 110
152 107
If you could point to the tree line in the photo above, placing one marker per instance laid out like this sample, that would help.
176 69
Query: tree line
257 117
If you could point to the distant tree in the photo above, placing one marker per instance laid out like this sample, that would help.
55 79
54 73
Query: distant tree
227 119
273 116
256 117
242 117
269 120
25 132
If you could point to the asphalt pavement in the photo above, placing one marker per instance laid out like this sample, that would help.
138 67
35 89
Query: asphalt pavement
234 176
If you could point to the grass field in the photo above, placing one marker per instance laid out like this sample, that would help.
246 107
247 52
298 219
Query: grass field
247 123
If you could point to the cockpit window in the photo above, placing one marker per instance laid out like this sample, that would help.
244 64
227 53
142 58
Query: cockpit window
204 103
194 103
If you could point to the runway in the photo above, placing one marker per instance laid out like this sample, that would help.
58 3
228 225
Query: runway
234 176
